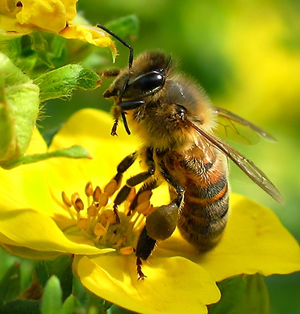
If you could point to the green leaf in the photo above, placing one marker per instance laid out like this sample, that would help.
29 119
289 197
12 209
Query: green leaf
18 110
10 285
40 46
61 267
246 294
71 152
21 307
124 27
68 306
61 82
52 297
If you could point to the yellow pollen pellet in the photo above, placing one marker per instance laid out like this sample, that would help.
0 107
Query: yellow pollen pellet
111 187
82 223
92 211
97 194
74 198
141 208
144 196
103 199
89 189
126 250
66 199
78 204
99 230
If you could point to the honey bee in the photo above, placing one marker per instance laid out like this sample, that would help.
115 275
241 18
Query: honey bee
176 122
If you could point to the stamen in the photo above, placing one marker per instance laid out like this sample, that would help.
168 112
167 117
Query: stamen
78 205
66 199
99 230
92 211
96 194
144 196
111 187
74 198
103 199
99 222
82 223
141 208
127 250
89 189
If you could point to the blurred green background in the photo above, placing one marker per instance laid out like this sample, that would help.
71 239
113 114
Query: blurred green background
246 54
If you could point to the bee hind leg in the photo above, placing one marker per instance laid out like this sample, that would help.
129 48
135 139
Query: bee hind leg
144 248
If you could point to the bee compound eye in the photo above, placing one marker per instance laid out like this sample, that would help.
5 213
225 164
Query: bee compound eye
146 83
161 223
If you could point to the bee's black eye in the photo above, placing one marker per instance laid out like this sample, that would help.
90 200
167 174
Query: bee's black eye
146 84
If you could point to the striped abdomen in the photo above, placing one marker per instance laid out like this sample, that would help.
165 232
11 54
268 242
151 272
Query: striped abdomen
204 177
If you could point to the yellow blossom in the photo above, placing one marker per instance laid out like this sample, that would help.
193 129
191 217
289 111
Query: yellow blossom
55 16
36 221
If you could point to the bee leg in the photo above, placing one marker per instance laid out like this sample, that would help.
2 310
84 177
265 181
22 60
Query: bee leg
179 201
144 248
110 73
121 168
148 186
133 181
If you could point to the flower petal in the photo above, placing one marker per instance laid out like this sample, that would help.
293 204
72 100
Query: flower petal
90 34
90 129
173 285
39 232
51 15
254 241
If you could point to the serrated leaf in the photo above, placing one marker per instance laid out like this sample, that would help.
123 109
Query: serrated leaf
10 285
61 82
52 298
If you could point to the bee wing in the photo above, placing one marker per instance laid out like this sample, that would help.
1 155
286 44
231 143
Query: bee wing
246 165
238 129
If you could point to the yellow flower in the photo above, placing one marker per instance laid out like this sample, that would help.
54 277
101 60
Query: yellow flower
55 16
36 223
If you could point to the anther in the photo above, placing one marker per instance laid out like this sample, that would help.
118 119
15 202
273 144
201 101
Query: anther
66 199
99 230
74 198
82 223
127 250
89 189
78 205
111 187
92 211
97 194
141 208
144 196
103 199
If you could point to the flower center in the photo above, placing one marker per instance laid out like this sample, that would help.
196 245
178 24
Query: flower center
96 218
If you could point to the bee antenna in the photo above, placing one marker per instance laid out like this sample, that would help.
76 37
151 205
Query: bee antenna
123 42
